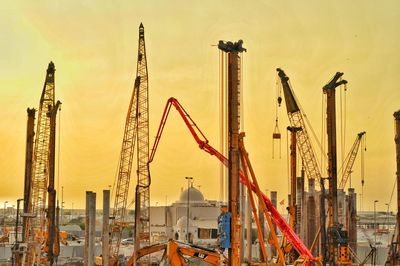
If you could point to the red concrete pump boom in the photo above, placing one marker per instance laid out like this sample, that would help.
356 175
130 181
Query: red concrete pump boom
202 141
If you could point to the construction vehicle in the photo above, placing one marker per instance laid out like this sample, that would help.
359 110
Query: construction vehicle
308 156
203 143
179 254
337 240
136 131
296 119
350 159
39 230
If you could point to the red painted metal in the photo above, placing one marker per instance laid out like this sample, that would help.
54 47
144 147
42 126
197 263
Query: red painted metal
202 141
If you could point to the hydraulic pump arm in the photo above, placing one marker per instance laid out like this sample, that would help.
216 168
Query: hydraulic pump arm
202 141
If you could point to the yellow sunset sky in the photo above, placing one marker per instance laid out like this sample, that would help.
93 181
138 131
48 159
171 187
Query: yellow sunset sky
94 47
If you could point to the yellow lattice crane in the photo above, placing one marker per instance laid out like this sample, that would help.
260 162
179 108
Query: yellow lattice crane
136 131
41 228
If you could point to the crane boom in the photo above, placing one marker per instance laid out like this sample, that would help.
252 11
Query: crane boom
136 130
43 165
296 120
124 174
142 195
350 159
202 141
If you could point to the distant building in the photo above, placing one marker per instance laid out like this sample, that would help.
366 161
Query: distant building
171 221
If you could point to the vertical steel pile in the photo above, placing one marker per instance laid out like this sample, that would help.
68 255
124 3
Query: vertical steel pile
233 51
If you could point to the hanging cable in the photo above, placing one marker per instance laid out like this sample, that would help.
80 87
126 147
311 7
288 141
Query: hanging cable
276 135
58 154
308 122
226 85
341 131
241 95
287 160
221 121
363 147
323 132
388 206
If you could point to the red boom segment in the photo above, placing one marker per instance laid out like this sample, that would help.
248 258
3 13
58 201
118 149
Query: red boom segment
203 144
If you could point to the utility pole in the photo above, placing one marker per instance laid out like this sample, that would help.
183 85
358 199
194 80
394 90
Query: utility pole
375 224
233 51
188 178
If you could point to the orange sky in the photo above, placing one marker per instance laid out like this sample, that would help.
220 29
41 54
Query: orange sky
94 44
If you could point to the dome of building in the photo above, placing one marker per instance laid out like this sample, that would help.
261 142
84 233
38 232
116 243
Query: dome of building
182 222
194 195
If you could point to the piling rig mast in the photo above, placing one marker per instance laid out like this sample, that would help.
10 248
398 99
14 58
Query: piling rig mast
338 242
42 180
234 54
30 135
136 130
293 176
394 251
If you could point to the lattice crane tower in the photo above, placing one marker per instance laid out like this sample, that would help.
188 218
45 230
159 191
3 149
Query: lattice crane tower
136 130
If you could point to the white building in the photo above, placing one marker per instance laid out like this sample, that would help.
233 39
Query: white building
171 221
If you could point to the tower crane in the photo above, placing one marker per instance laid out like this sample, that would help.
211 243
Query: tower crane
350 159
38 229
136 131
203 143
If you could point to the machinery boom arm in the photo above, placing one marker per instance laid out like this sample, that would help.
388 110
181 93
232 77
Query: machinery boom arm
203 144
350 159
296 119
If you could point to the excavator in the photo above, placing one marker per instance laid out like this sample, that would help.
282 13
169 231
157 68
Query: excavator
177 253
305 256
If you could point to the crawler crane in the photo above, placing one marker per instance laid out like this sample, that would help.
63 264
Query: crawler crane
136 131
305 148
39 229
350 159
296 119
